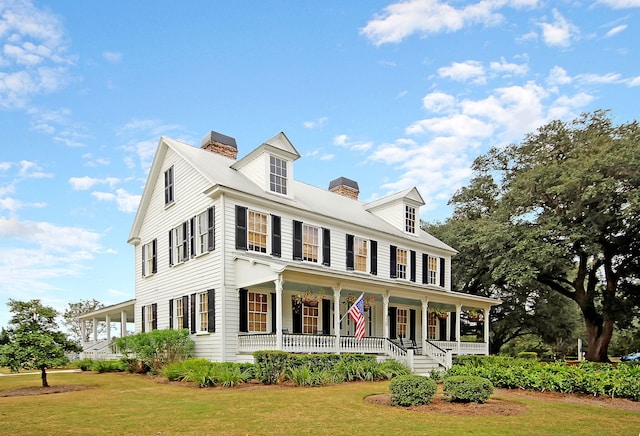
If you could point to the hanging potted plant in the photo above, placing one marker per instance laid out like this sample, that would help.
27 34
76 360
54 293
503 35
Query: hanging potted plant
440 313
474 315
368 301
309 299
351 299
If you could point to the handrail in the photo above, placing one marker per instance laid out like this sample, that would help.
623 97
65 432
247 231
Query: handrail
443 357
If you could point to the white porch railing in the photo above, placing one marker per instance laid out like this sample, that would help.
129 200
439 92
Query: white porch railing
442 356
463 347
99 350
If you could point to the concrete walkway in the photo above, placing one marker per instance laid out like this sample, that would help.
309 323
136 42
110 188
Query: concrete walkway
38 373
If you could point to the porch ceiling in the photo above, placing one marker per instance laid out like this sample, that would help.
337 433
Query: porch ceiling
114 312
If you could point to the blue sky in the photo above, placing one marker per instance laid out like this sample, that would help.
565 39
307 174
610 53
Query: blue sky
390 94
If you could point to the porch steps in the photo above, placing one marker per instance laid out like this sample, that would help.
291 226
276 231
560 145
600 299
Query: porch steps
423 365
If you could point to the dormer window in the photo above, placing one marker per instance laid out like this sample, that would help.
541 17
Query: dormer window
409 219
278 175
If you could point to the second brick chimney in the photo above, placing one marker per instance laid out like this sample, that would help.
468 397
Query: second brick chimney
221 144
345 187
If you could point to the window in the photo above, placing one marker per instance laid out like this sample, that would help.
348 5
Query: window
179 243
179 313
360 254
257 312
310 243
409 219
278 175
149 317
202 232
257 232
402 320
203 312
149 258
401 263
168 186
433 270
431 326
309 319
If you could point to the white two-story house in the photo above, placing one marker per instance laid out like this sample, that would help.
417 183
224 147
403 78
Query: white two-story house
248 258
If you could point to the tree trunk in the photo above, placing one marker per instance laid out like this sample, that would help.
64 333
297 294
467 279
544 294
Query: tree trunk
598 338
44 378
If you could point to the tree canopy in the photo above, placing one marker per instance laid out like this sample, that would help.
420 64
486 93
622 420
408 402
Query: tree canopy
33 340
561 212
71 314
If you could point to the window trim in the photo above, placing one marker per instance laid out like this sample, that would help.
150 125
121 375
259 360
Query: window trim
278 175
253 322
410 219
356 254
261 236
317 244
150 258
169 186
401 268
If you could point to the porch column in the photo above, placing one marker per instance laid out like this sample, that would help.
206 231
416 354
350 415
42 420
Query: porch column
123 324
83 330
336 316
486 329
107 320
458 310
425 325
95 330
278 282
385 314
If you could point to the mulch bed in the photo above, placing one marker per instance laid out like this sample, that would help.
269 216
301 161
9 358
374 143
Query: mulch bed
39 390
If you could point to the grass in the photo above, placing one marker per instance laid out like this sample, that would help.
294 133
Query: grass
126 404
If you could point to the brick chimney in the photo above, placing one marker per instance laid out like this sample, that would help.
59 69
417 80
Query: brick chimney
221 144
345 187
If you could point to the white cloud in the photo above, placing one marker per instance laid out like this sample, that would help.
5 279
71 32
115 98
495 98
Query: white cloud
615 30
635 81
558 76
508 68
317 123
438 102
454 125
463 71
125 201
86 182
560 32
31 170
112 57
143 150
343 140
327 156
425 17
608 78
621 4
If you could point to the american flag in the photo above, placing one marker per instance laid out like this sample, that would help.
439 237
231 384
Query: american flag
357 315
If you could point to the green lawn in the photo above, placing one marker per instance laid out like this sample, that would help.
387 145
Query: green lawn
126 404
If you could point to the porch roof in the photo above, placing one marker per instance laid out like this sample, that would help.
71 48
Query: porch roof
114 312
252 271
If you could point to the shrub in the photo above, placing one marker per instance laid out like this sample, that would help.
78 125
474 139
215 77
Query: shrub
467 389
411 390
532 355
270 366
108 366
85 364
155 349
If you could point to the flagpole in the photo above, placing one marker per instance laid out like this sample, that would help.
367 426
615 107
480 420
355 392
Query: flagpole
347 312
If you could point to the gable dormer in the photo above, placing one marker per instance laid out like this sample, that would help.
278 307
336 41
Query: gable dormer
402 210
270 166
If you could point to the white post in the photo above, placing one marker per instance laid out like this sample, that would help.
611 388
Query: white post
579 350
107 321
425 325
123 324
486 329
279 285
458 310
336 316
95 330
83 330
385 314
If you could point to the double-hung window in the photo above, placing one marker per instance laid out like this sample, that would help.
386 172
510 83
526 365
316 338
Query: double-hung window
169 193
257 308
149 258
257 232
203 311
402 321
409 219
180 243
179 313
278 175
401 263
149 317
309 319
360 253
310 243
433 270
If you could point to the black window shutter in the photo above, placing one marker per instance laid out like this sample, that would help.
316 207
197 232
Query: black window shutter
412 324
241 228
443 329
326 247
393 262
143 319
154 249
154 315
425 268
297 240
276 236
297 315
211 310
442 271
452 335
244 310
143 259
211 226
393 311
170 247
374 257
193 314
192 236
413 266
171 313
326 317
273 312
185 312
350 253
185 240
